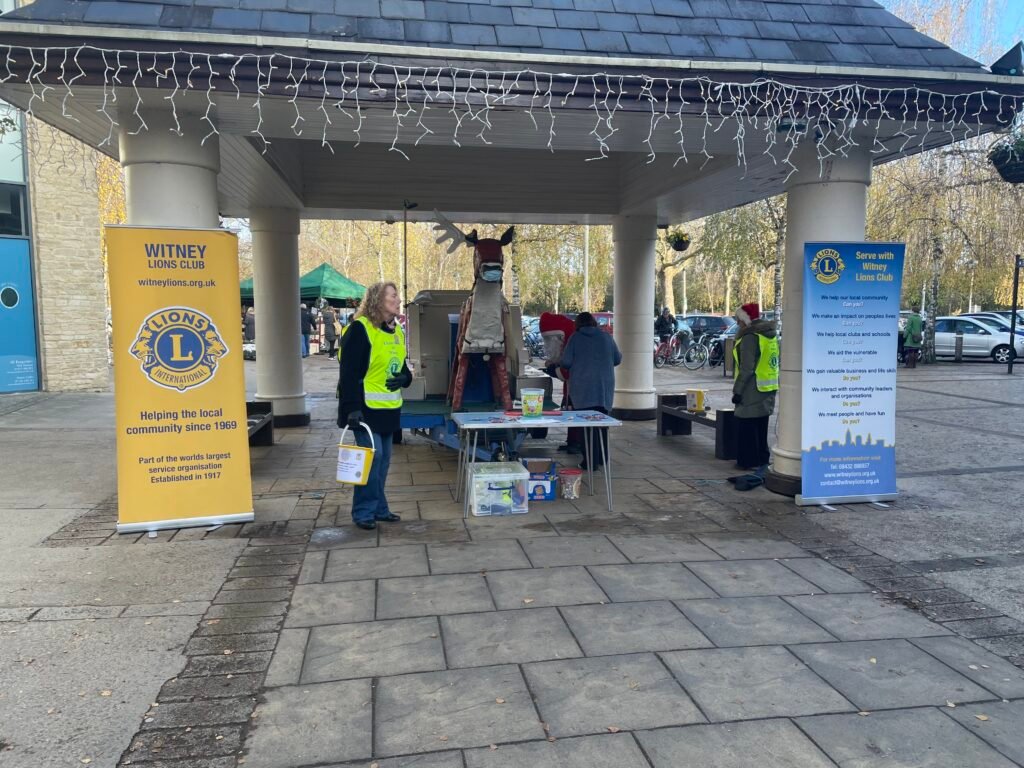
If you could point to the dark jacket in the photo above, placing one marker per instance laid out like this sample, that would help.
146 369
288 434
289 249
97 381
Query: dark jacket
329 320
591 355
306 319
665 326
250 327
754 403
355 361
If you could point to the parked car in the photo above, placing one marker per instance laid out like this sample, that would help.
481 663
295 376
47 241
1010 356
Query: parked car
708 323
991 318
605 321
1007 313
979 339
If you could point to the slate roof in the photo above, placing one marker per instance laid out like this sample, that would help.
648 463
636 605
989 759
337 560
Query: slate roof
825 32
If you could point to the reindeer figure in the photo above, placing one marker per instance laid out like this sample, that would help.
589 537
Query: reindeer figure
482 318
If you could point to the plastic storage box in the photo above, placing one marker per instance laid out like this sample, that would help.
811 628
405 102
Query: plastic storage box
498 488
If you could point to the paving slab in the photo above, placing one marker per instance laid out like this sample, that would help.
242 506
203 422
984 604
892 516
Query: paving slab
751 578
428 760
589 696
735 621
753 683
618 750
309 724
550 552
286 663
667 548
341 537
422 532
997 723
632 628
977 664
592 521
432 596
369 649
826 577
509 527
542 587
922 738
887 674
739 546
376 563
649 581
344 601
766 744
864 617
507 637
461 708
476 556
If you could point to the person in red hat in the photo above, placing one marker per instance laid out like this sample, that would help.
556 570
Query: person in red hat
755 382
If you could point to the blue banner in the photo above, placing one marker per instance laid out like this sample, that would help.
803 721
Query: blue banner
19 359
850 327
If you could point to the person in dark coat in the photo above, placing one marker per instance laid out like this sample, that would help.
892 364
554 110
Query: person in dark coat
249 334
591 356
330 332
756 381
306 323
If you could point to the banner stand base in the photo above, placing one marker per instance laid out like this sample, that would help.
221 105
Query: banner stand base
186 522
807 501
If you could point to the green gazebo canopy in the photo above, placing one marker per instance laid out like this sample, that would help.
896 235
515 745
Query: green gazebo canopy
324 282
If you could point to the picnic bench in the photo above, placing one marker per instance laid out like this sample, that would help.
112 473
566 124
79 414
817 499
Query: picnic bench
674 419
259 419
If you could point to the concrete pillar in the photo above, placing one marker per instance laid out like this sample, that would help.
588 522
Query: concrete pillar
170 180
275 266
825 202
634 238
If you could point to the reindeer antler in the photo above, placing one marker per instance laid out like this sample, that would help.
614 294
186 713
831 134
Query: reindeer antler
449 232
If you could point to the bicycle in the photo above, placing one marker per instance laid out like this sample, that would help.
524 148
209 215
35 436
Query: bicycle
666 351
696 355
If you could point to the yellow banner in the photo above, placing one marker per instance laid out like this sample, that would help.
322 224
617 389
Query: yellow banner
179 387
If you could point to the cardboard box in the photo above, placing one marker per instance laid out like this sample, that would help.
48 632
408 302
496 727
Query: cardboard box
696 400
543 482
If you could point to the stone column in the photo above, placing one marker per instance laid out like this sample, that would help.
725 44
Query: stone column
825 202
634 238
275 266
171 180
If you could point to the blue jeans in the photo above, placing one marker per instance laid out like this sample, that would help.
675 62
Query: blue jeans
368 501
305 345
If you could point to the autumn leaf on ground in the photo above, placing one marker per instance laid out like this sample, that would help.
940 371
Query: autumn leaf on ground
613 729
982 717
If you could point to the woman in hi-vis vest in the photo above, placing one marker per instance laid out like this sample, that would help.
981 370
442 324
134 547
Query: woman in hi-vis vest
755 382
373 373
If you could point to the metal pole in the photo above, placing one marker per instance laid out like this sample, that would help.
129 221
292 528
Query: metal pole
586 268
1018 262
405 258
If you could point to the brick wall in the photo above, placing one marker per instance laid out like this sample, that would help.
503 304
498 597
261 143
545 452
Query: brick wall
70 282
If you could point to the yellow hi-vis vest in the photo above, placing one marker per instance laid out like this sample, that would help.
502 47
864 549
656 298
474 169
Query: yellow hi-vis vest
387 357
766 373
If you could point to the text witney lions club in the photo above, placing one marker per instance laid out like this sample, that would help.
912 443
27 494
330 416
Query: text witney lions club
175 256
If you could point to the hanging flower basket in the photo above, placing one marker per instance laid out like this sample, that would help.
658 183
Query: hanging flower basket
678 239
1007 156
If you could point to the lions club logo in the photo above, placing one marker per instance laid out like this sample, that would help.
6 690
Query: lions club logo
827 266
179 348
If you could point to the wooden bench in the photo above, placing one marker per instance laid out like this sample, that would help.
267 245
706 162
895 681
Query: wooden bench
259 418
674 419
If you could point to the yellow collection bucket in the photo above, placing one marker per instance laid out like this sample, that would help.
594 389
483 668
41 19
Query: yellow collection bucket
354 461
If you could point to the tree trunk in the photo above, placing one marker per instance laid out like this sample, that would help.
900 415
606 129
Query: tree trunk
931 311
728 292
780 255
666 287
686 308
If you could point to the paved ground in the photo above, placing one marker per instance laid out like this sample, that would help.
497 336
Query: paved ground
694 625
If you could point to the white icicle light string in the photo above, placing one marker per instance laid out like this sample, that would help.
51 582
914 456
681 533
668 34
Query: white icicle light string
783 111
